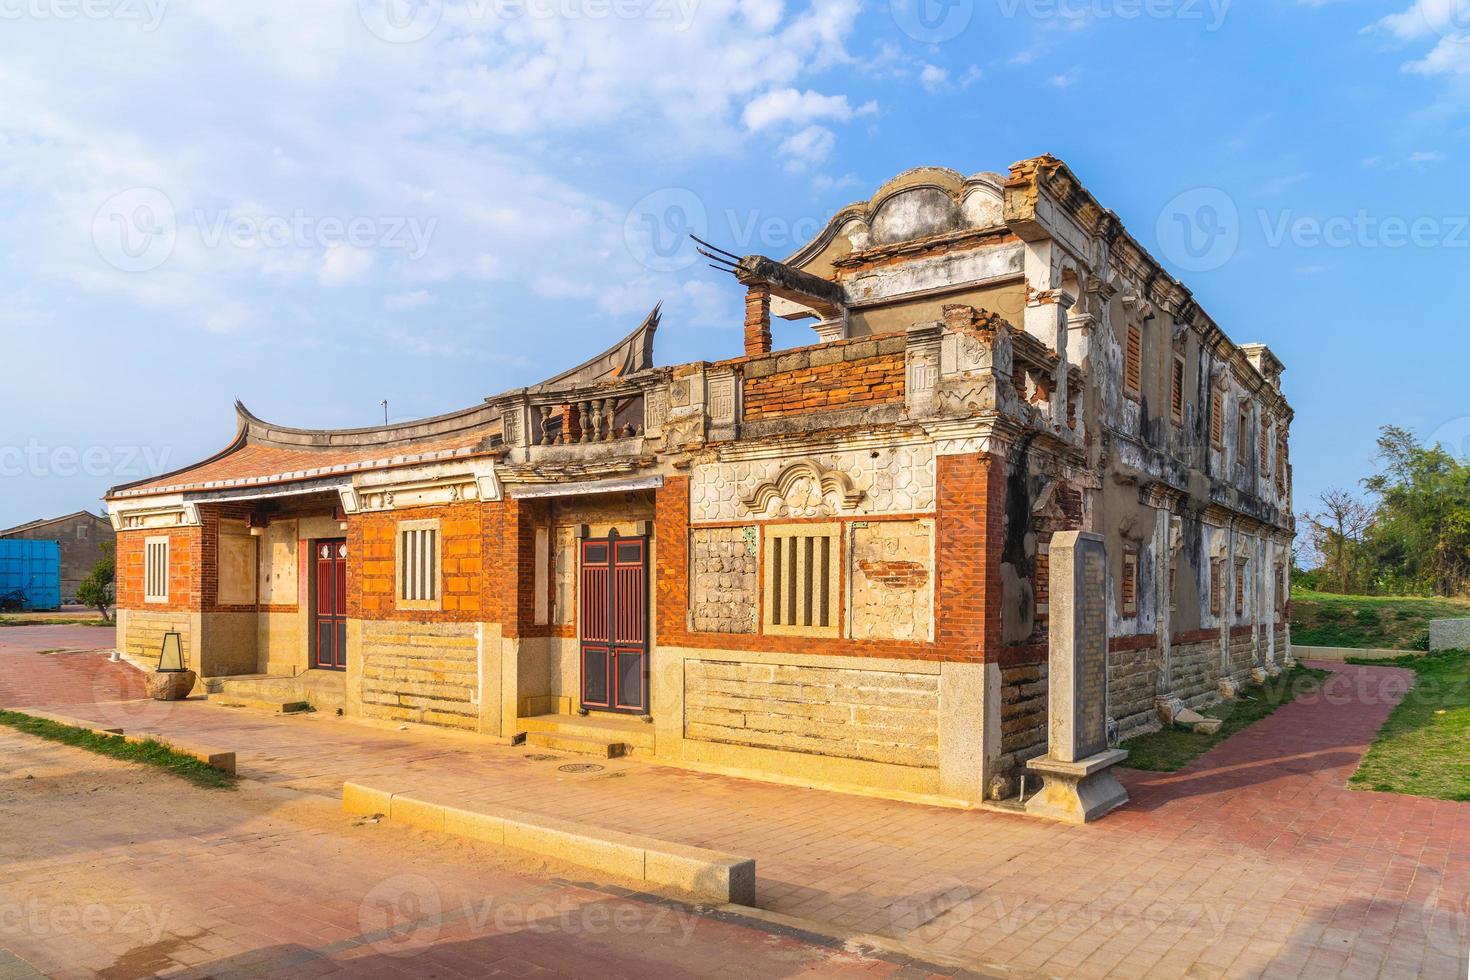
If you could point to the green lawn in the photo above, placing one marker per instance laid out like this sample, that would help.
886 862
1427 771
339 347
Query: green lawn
148 753
1174 748
1321 619
1424 747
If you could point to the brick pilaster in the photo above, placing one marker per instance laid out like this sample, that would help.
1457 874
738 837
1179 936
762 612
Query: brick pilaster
758 320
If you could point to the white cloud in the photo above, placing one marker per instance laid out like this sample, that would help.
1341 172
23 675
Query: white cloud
789 107
469 128
343 264
1426 18
933 78
228 318
809 148
1426 157
408 301
1065 79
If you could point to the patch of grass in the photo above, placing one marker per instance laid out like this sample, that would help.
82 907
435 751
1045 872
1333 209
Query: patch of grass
1322 619
13 621
1174 748
1424 747
148 753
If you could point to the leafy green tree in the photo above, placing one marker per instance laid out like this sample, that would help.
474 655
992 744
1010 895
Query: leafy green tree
96 589
1419 539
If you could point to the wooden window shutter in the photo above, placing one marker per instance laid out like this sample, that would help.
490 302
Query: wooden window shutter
1128 588
1133 361
1176 395
1217 417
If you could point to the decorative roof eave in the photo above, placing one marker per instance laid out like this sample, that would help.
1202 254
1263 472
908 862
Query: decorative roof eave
477 417
301 475
1047 174
630 355
944 179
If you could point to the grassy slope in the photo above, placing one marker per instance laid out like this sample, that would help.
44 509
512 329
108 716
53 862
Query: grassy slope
1396 622
1424 747
1174 748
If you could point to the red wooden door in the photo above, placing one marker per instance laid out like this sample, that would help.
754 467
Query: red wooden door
331 604
614 618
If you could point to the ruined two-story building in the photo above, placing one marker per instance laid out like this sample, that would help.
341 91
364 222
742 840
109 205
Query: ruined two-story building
826 564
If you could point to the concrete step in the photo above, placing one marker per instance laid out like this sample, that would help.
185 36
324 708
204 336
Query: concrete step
324 690
576 744
637 735
260 704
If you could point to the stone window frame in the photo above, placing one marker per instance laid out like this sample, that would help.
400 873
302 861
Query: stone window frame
156 551
1128 582
832 531
1242 433
435 602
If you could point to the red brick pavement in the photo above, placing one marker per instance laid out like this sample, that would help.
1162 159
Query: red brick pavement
1254 861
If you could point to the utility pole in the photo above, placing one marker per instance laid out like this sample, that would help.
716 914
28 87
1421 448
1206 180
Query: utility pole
385 411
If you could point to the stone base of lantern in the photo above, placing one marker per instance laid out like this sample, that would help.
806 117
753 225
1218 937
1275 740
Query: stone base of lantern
171 685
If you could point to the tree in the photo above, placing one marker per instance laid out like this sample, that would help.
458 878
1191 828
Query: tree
1336 533
1420 539
96 589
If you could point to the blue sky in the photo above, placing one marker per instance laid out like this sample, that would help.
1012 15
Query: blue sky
315 207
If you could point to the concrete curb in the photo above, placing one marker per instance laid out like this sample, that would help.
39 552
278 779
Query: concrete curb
215 758
711 875
1340 654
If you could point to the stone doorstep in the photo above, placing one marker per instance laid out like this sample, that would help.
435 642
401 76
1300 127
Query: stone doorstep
636 735
324 690
577 744
710 875
258 704
215 758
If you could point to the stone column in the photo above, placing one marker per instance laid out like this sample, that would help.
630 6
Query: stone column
1078 786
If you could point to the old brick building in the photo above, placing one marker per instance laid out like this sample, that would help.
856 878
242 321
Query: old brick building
81 536
825 564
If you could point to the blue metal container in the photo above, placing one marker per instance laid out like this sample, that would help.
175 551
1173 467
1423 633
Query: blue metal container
32 567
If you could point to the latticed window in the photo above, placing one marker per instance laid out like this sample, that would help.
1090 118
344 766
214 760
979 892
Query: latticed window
1133 361
1265 442
1217 586
1176 391
1240 586
419 564
801 563
155 570
1217 417
1128 587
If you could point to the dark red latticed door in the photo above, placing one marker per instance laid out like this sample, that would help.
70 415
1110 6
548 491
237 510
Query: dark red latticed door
331 604
614 600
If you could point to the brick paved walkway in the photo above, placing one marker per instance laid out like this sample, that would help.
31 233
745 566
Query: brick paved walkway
1254 861
257 884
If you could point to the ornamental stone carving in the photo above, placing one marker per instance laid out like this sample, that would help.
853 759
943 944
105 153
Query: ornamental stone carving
891 480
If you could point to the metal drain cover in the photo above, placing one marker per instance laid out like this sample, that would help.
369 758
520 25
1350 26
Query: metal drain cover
580 767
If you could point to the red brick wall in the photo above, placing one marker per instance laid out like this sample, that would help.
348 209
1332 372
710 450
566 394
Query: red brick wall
509 527
876 380
209 518
183 569
372 544
967 582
